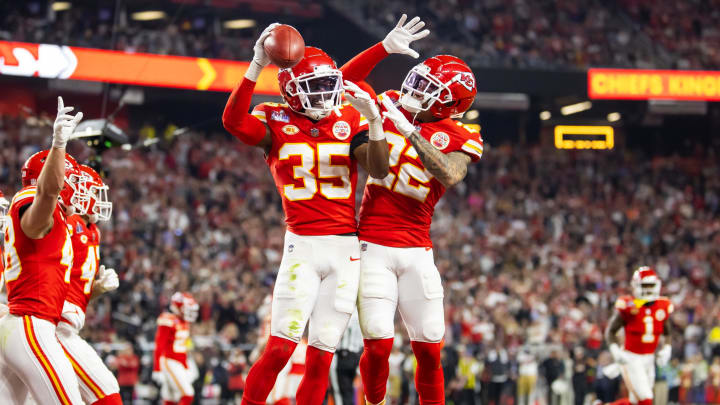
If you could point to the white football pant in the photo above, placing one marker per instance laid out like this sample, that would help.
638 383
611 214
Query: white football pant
317 282
31 359
639 375
407 278
177 380
96 381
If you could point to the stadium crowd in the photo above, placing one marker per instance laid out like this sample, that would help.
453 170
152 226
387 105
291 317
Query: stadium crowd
556 34
534 247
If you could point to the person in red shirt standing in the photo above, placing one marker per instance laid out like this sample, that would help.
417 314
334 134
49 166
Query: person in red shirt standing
88 280
307 144
429 152
128 368
170 367
38 261
645 317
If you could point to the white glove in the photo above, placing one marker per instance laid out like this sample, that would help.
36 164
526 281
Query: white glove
618 354
158 377
361 100
260 58
663 355
107 279
393 114
399 39
64 125
4 309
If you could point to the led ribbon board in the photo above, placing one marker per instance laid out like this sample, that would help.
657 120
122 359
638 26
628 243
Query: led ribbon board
631 84
584 137
142 69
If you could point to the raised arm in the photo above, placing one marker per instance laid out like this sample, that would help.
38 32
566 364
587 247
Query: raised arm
374 155
37 220
449 169
236 116
397 41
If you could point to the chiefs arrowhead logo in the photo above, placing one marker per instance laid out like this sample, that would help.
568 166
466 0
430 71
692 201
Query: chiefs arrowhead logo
466 80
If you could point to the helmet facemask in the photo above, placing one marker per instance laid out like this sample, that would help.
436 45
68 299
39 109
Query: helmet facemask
319 92
647 287
101 207
80 200
420 90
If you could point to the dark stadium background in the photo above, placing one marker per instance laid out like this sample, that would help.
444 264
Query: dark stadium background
534 246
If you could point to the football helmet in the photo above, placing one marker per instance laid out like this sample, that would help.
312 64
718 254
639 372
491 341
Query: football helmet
313 87
185 306
443 84
72 195
646 284
4 204
100 207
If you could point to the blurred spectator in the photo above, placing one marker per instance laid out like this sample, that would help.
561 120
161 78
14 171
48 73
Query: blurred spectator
581 375
128 369
552 370
607 381
498 364
527 376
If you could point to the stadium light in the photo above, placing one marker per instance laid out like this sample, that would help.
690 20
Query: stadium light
613 117
472 114
576 108
61 5
148 15
545 115
239 24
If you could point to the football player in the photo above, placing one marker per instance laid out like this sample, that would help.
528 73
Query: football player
97 384
429 152
170 365
4 204
645 317
38 262
307 147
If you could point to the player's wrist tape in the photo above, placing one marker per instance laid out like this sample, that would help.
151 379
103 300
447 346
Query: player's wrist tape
253 71
59 143
375 132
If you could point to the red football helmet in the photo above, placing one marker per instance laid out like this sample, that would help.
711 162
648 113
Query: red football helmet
72 195
100 207
646 284
443 84
184 305
4 204
314 86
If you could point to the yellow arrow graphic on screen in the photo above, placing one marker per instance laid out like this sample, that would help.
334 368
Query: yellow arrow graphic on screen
209 74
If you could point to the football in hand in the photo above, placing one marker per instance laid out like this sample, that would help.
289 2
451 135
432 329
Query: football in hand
285 46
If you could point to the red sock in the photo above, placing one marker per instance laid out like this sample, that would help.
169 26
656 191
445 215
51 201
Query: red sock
283 401
263 373
186 400
112 399
374 368
429 380
313 385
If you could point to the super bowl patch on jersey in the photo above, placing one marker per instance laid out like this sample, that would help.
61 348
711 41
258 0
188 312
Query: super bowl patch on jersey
660 315
341 130
290 129
440 140
279 116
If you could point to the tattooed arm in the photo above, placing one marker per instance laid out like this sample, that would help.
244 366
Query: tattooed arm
449 169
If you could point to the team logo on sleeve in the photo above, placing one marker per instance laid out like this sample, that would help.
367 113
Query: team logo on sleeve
341 130
279 116
290 129
660 315
84 239
440 140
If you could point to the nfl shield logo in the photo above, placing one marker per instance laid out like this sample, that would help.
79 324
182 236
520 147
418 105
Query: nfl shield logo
314 132
291 247
363 247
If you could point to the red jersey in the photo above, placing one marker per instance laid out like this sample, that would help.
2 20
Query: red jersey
86 248
37 271
312 167
644 322
171 339
397 210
